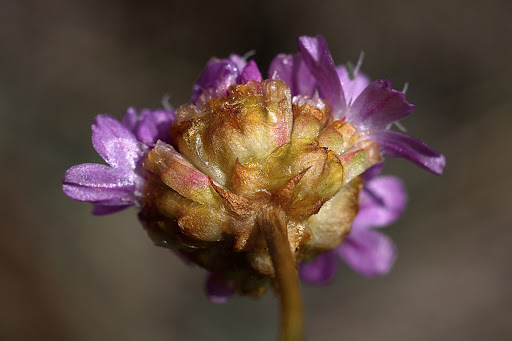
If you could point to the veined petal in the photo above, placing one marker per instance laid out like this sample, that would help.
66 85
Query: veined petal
250 72
382 201
218 290
352 87
318 60
92 182
395 144
115 143
293 71
368 252
377 106
321 270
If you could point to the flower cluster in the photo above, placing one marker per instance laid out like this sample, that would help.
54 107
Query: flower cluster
307 142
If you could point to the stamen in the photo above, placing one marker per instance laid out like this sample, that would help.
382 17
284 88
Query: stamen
166 102
359 63
406 87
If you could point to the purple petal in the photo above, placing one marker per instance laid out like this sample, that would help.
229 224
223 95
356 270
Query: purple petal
115 143
218 290
395 144
352 87
154 125
321 270
130 119
250 72
368 252
293 71
377 106
239 61
215 80
373 171
101 209
382 201
318 59
98 183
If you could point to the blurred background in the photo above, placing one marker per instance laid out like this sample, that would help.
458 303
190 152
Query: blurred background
67 275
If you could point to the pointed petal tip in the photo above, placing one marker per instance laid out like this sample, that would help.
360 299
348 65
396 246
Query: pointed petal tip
250 72
317 58
395 144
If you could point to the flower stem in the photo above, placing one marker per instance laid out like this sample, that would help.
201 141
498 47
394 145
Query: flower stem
272 223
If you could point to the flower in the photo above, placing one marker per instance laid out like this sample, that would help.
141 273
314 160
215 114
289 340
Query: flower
298 151
122 145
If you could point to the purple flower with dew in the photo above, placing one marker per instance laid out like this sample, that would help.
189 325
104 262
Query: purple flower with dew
122 145
300 150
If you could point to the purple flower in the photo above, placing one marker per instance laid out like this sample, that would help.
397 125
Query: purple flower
370 106
364 249
122 145
353 133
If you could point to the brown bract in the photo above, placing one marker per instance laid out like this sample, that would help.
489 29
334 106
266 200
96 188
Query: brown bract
238 156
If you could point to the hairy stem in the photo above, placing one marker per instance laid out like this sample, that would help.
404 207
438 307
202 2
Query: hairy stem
272 222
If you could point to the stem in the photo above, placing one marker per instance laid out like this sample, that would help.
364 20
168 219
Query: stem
272 223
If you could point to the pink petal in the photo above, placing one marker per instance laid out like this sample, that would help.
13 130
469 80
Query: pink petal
382 201
352 87
239 61
250 72
316 56
154 125
98 183
293 71
214 81
101 209
378 106
368 252
395 144
115 143
321 270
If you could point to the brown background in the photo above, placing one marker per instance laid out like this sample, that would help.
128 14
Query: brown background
65 274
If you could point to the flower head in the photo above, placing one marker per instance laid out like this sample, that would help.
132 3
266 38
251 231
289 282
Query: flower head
304 144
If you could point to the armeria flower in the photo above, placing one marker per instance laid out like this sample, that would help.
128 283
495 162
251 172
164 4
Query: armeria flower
122 145
253 167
